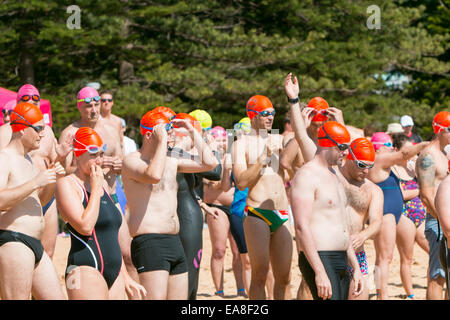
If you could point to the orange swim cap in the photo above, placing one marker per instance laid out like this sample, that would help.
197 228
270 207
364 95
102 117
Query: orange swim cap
330 131
150 120
24 115
319 104
257 104
169 113
363 150
84 138
194 122
440 121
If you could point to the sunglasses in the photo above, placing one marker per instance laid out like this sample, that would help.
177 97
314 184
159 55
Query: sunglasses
168 126
341 146
264 113
92 149
386 144
89 100
109 100
27 124
6 112
361 165
446 129
33 97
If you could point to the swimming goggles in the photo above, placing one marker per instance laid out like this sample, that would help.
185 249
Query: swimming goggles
92 149
446 129
242 125
89 100
341 146
28 124
361 165
6 112
168 126
264 113
322 112
33 97
386 144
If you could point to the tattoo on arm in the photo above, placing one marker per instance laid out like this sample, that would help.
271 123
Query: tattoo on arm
426 171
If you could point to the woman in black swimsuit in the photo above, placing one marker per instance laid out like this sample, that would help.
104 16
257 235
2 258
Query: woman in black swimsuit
95 268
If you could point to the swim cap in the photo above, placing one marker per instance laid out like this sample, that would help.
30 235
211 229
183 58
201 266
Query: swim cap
169 113
379 139
85 137
25 114
27 89
150 120
203 117
218 131
336 131
86 92
194 122
363 150
257 103
319 104
441 120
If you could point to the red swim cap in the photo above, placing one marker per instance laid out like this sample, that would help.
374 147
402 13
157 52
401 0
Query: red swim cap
169 113
23 115
336 131
257 103
27 89
363 150
150 120
319 104
194 122
441 120
85 137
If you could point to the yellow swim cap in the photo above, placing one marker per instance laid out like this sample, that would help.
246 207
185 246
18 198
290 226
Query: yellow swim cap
203 117
244 124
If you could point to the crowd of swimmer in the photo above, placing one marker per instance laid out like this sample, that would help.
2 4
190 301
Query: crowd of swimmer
135 215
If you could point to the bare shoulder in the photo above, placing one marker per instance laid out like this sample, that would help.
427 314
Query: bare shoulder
131 158
70 129
373 188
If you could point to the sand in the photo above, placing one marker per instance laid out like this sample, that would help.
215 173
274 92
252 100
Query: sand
206 287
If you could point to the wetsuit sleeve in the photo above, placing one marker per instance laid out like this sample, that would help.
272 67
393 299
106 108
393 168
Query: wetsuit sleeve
214 175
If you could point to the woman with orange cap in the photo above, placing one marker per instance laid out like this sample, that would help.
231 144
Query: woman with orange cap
383 176
95 268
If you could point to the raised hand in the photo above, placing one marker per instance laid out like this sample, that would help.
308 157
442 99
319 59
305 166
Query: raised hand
45 177
96 177
291 86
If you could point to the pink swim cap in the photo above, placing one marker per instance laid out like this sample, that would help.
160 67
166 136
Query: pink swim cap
27 89
86 92
380 139
218 131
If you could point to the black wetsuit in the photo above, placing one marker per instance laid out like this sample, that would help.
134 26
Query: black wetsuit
100 250
191 220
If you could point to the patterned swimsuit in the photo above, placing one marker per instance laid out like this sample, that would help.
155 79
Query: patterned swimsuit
414 208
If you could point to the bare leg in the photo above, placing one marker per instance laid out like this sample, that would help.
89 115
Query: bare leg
178 287
246 271
155 283
237 266
364 295
406 233
270 282
384 246
86 283
303 291
435 288
46 284
50 230
421 239
218 232
281 258
257 237
117 290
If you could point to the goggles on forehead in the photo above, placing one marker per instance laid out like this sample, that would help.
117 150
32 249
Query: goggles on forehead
264 113
242 125
33 97
92 148
362 165
90 99
446 129
168 126
27 124
341 146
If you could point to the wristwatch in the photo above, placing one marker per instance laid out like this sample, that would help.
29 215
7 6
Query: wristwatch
292 101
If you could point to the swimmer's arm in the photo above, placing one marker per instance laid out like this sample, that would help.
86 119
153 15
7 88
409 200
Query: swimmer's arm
226 183
9 197
208 160
375 214
426 171
245 176
70 207
302 201
68 163
288 156
135 169
216 173
442 203
389 159
307 146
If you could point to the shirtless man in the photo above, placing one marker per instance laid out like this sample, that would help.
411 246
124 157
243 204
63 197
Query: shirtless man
106 105
317 227
149 177
24 266
256 166
88 103
442 203
432 168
